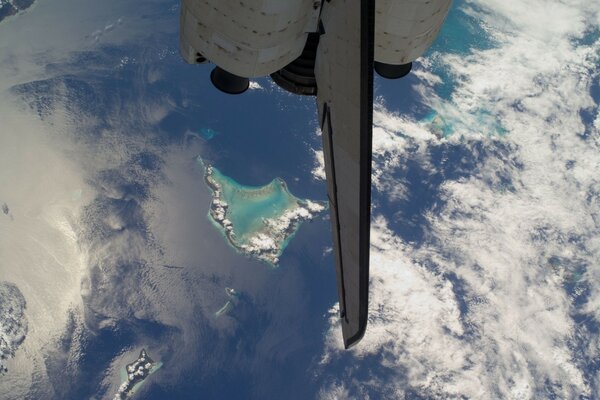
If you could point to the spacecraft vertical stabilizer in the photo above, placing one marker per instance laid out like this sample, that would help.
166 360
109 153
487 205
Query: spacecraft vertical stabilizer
328 49
344 75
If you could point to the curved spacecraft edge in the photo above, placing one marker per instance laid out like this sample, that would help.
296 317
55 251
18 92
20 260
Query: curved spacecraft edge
328 49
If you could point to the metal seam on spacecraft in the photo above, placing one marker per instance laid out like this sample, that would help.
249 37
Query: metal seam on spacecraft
254 38
249 38
329 50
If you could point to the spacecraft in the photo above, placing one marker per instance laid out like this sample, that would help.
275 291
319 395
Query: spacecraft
328 49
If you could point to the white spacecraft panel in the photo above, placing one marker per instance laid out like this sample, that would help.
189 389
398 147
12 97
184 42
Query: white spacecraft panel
344 98
404 29
249 38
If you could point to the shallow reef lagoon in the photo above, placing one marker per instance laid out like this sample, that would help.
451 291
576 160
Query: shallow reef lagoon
250 205
257 220
136 388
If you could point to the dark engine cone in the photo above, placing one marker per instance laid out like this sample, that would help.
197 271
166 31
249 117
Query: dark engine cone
392 71
228 82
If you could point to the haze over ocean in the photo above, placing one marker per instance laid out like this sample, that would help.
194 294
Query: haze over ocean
485 223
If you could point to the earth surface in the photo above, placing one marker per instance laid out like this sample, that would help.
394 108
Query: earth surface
485 279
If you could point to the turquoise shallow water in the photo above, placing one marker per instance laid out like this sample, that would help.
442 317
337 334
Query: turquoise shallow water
138 386
444 126
208 133
258 221
461 35
249 205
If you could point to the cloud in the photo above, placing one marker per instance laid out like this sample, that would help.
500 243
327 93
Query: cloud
254 85
498 296
13 323
318 171
81 168
44 190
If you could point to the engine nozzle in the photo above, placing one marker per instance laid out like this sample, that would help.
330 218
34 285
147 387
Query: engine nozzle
392 71
227 82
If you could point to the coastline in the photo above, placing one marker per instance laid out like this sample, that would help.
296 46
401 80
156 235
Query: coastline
273 233
13 7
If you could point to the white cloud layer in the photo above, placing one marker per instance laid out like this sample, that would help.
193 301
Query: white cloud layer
501 297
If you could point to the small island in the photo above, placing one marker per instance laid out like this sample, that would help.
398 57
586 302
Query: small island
233 297
13 7
137 372
257 221
13 323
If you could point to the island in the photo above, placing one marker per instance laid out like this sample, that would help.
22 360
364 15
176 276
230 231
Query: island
13 323
12 7
233 297
258 221
137 372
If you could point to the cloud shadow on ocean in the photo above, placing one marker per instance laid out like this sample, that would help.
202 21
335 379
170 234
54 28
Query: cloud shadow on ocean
423 176
149 210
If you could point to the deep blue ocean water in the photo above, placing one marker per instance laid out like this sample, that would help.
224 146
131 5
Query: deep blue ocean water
265 134
252 139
